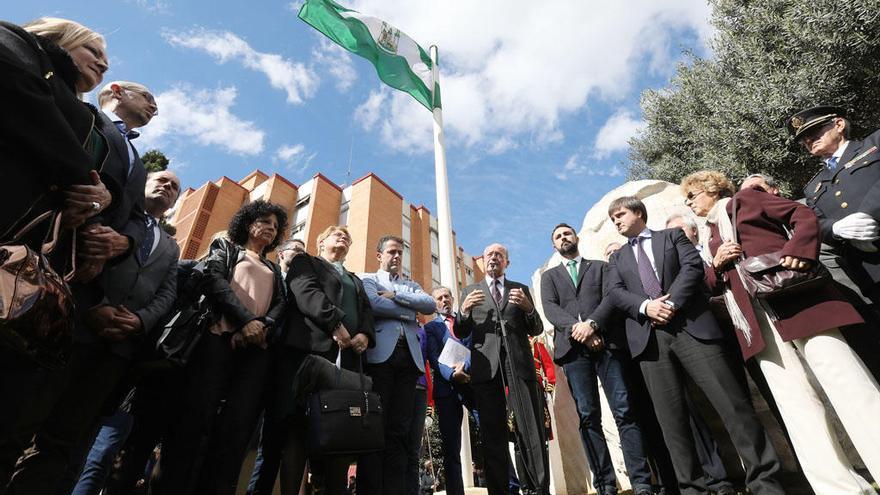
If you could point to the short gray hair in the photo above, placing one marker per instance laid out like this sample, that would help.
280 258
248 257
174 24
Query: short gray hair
438 288
105 96
688 220
765 177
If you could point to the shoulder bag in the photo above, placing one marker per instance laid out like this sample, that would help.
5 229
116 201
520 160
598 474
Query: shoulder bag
36 306
766 279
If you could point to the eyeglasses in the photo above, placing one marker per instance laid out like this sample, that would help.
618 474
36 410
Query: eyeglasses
691 195
815 133
146 96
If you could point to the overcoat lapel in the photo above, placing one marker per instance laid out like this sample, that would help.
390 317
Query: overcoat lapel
160 248
505 295
488 292
585 265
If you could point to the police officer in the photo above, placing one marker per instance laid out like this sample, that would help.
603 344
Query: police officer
845 194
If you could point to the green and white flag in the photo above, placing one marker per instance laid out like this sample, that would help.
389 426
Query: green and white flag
400 61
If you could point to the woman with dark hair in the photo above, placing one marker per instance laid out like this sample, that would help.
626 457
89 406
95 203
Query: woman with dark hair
205 448
790 336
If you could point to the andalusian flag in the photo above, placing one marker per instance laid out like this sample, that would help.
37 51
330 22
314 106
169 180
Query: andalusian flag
400 61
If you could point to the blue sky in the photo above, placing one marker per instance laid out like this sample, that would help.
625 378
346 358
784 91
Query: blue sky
539 98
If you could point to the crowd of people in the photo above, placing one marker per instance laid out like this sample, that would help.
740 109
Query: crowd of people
88 407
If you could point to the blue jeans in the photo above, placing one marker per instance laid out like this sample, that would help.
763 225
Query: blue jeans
111 437
583 369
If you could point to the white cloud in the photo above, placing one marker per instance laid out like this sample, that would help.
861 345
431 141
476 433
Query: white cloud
513 68
337 62
616 133
295 6
575 165
294 78
295 157
202 116
287 152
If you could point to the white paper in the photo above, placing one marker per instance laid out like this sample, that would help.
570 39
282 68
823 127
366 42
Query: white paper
454 353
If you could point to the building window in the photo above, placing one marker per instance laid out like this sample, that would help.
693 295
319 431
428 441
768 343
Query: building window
298 231
435 267
407 229
435 242
303 201
407 258
343 213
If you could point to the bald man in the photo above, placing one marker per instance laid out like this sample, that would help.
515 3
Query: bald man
491 309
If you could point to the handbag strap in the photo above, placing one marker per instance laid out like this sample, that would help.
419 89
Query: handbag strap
733 218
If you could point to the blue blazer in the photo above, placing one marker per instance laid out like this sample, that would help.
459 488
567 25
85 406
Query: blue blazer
396 316
436 335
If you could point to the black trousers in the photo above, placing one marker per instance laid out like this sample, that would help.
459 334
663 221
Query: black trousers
492 406
223 396
93 375
670 355
395 382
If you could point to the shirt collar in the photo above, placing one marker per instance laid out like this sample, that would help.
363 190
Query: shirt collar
645 234
577 260
840 149
490 279
394 277
120 124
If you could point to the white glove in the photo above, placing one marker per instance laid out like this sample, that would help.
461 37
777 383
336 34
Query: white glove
866 246
858 226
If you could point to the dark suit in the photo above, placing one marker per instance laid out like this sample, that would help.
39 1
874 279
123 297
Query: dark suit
690 344
97 367
488 376
565 304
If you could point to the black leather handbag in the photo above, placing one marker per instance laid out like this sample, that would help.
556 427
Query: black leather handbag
192 316
765 278
345 422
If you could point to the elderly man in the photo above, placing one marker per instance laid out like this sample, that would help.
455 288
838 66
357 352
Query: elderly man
394 364
138 290
499 317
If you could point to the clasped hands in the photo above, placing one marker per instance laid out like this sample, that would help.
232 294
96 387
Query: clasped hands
97 244
344 340
584 333
252 333
113 323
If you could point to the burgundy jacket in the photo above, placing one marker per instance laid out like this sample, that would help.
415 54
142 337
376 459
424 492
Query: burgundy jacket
760 218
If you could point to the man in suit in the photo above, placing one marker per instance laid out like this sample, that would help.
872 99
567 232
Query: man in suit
499 317
139 290
657 281
572 300
125 106
394 364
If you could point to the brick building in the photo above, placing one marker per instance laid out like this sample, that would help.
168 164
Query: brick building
369 207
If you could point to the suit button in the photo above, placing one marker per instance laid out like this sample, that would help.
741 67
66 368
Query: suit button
837 181
837 193
844 204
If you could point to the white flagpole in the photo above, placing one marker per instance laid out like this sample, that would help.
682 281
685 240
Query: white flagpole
448 264
444 214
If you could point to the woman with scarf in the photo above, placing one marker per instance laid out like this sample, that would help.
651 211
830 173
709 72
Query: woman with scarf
777 333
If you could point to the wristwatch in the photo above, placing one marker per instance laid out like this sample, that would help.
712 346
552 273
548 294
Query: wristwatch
593 325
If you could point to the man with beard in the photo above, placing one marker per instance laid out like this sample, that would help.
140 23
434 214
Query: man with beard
572 299
499 316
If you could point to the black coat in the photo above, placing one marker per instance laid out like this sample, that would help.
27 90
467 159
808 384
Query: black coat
314 312
564 303
45 129
220 265
854 186
483 325
681 276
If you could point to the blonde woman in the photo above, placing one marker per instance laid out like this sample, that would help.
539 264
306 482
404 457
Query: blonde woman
806 325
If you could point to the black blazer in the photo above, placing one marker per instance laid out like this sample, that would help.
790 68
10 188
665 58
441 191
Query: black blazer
681 276
125 214
483 325
563 303
854 186
313 311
